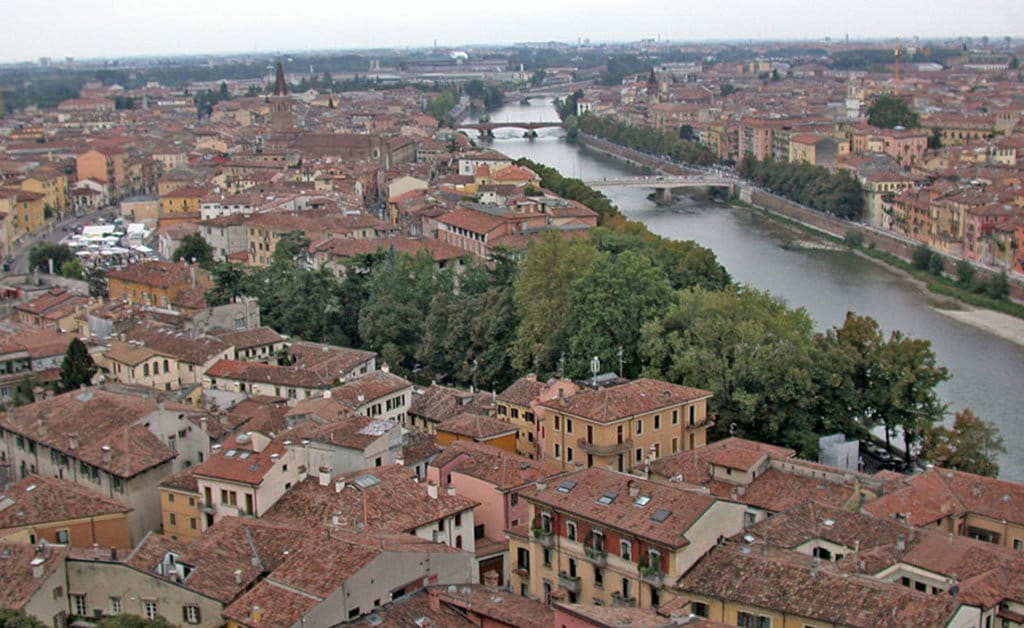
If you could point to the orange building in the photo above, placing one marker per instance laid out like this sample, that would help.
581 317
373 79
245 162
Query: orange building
38 508
179 506
109 165
478 428
155 283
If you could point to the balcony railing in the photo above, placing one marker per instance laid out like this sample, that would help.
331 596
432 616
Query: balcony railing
544 537
595 555
605 450
652 575
622 602
207 508
569 583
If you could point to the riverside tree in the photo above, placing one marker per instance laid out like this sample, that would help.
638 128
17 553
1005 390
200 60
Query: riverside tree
970 445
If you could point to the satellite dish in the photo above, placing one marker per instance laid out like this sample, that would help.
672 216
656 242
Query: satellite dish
452 589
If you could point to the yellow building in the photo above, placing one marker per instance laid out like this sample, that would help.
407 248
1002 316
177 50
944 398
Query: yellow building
519 405
623 427
605 538
25 211
179 506
182 200
53 185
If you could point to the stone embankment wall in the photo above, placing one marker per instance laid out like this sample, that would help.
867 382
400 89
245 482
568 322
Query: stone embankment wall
889 243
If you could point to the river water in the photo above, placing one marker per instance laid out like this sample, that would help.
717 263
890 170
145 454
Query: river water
987 371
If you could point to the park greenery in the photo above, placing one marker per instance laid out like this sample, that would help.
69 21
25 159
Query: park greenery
642 304
837 193
889 112
647 140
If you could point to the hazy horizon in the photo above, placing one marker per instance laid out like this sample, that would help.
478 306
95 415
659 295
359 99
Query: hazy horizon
58 29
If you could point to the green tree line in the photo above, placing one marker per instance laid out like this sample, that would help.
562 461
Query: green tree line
647 139
837 193
642 304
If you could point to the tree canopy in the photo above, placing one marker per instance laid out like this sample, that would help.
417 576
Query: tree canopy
888 112
194 248
41 254
970 445
77 368
837 193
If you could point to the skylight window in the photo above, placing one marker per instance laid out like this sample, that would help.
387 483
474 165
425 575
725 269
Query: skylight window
231 453
566 486
642 500
607 498
660 515
254 467
242 455
366 481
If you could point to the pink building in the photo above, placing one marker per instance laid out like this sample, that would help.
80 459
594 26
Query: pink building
494 478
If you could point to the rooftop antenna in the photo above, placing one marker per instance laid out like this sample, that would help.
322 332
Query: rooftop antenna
620 361
595 368
561 366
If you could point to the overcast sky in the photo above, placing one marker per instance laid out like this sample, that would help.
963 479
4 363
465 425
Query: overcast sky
111 28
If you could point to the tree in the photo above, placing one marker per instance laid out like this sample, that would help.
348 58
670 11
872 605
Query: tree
965 273
72 269
888 112
96 277
935 138
10 618
194 248
971 445
223 92
42 253
77 368
542 297
753 352
607 306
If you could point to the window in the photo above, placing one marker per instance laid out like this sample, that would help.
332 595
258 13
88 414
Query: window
458 519
514 499
1018 544
675 417
568 426
190 613
149 609
170 497
63 537
638 426
598 576
115 606
675 444
78 604
502 409
627 588
558 422
171 519
547 557
657 422
568 454
749 620
570 530
558 451
192 523
117 484
515 413
700 609
693 415
626 550
639 455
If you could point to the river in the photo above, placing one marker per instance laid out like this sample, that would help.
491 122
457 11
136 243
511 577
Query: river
987 371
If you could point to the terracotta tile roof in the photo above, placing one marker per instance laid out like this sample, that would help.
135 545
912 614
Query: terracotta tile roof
523 391
250 338
501 607
785 581
54 298
157 274
324 409
259 413
476 426
351 247
495 466
36 499
694 466
130 353
277 606
238 461
418 447
20 586
180 345
684 507
776 491
614 617
613 403
328 360
350 432
244 371
440 403
184 480
414 611
373 385
396 504
809 521
99 419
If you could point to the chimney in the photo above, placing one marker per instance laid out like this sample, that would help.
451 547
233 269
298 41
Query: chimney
360 397
257 614
451 490
325 476
72 441
384 367
238 576
435 599
634 490
400 461
41 427
327 394
202 424
106 454
432 489
336 519
37 567
339 486
541 485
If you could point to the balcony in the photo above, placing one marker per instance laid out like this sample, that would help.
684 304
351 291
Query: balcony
622 602
544 537
653 576
569 583
207 508
597 556
522 570
605 450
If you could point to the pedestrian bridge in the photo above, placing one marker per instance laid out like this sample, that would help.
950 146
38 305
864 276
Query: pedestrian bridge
526 126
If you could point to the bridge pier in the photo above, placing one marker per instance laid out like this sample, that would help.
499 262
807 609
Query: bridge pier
663 196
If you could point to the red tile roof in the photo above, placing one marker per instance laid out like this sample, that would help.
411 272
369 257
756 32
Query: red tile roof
20 585
36 499
614 403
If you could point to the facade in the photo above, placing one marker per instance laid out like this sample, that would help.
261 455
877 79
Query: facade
624 426
519 405
156 284
179 506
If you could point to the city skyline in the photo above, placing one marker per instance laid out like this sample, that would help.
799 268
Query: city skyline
127 29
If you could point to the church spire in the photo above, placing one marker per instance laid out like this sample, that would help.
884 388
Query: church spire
280 85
